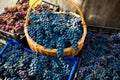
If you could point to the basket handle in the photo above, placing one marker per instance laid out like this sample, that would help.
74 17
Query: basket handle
28 13
78 9
83 21
70 1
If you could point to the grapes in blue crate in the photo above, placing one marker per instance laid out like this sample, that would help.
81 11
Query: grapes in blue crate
19 64
101 57
53 30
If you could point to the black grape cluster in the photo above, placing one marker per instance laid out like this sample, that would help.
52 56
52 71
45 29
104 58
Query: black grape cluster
101 57
18 64
13 18
54 30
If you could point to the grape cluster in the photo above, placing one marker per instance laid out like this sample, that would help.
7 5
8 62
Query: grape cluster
101 57
54 30
18 64
13 18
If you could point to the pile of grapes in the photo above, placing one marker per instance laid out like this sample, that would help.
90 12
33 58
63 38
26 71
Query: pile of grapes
13 18
18 64
101 57
53 30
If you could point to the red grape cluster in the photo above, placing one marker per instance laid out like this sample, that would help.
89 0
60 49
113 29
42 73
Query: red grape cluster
13 18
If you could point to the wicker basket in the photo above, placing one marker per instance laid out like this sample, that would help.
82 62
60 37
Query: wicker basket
52 52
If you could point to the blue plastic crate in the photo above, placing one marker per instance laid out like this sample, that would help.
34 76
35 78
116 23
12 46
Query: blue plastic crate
70 58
